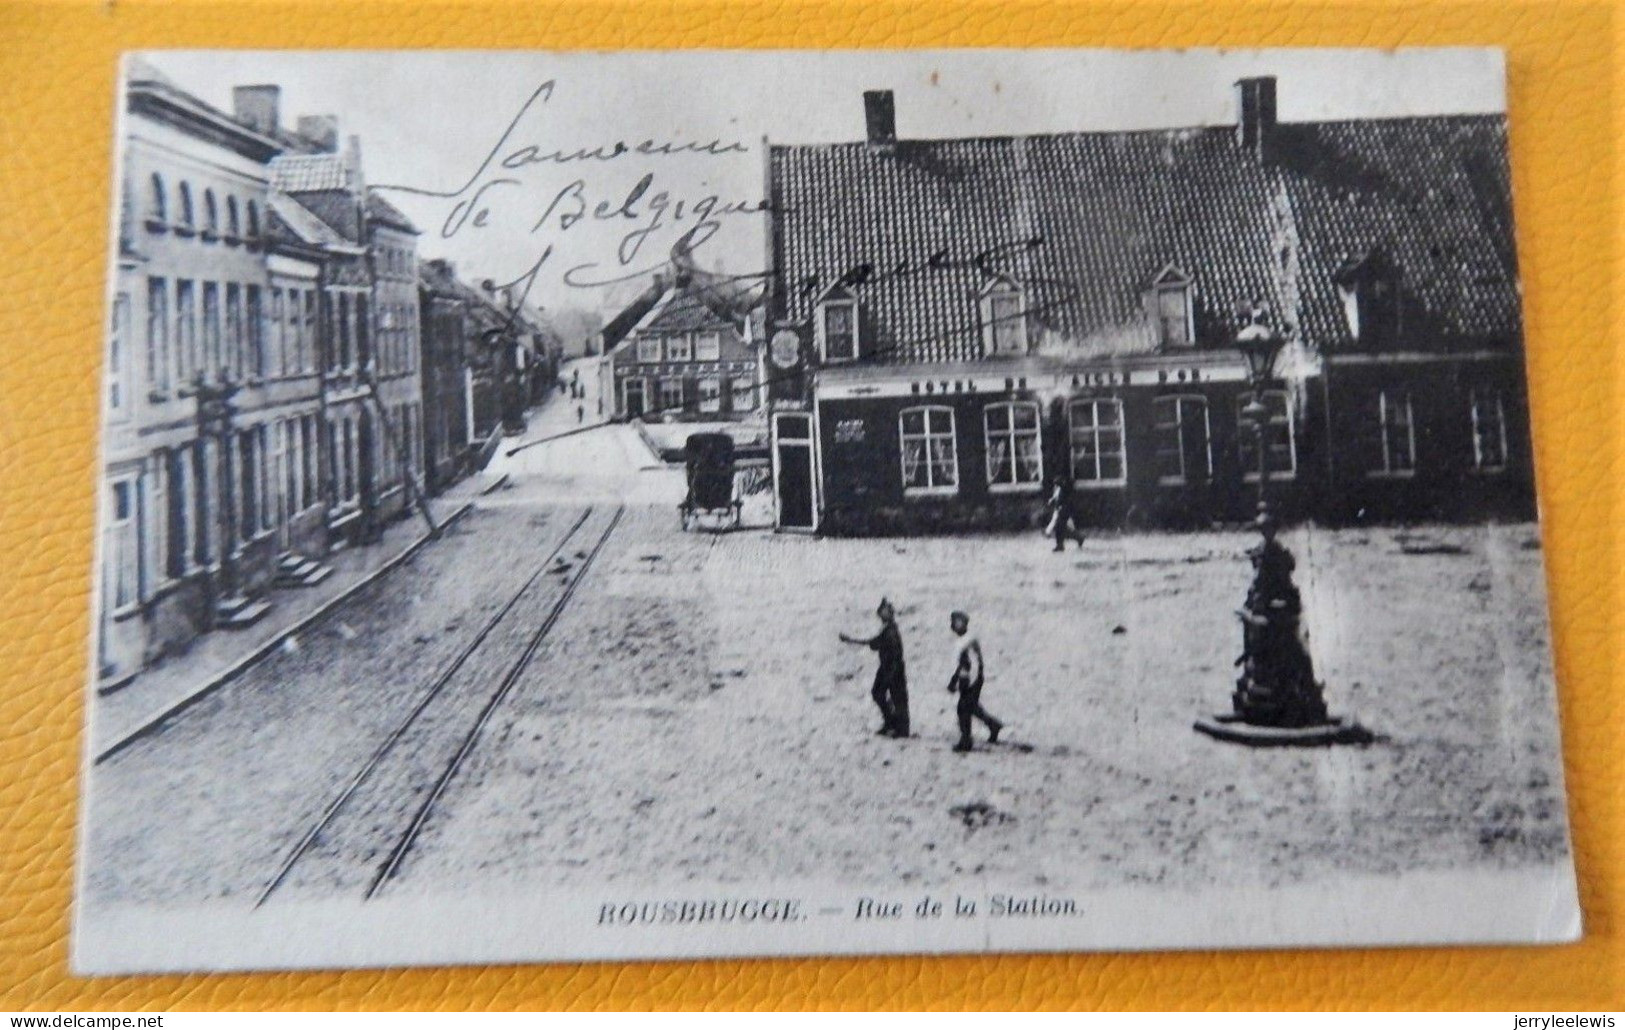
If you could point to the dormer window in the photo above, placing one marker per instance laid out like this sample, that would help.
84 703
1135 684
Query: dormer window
1171 308
1369 287
1004 318
837 324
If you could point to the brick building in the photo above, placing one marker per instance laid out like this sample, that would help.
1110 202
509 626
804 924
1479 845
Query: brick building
684 351
957 322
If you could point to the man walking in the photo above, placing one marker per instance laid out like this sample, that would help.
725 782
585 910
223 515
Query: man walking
890 691
967 683
1063 519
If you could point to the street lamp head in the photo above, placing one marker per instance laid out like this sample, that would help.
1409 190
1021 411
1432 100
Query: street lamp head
1259 344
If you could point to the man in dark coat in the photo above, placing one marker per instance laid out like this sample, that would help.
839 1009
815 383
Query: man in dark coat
890 691
1063 517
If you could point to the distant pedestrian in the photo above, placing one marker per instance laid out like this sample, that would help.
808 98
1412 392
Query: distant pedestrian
1063 515
581 412
966 681
890 691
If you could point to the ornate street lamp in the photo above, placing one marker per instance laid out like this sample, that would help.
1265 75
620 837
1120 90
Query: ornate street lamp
1277 700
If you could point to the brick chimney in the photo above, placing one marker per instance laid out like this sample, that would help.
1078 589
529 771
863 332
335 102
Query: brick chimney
1255 116
321 130
257 107
880 118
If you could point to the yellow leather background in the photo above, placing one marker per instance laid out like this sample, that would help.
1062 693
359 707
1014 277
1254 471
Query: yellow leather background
57 64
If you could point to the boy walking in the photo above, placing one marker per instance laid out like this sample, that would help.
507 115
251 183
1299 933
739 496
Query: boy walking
967 683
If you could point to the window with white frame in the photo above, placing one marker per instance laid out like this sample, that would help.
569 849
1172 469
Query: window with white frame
1004 319
118 347
632 402
930 458
648 348
1014 456
677 348
1184 447
1096 434
838 330
1489 430
708 346
1394 451
710 394
744 395
186 356
123 558
1280 443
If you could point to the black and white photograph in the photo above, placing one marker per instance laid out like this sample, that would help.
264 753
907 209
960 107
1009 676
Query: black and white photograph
664 504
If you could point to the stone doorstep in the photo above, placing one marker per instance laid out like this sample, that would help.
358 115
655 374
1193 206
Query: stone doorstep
212 683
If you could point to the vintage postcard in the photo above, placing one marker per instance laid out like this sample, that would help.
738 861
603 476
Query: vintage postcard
561 506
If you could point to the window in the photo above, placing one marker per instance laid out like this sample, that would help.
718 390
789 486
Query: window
708 346
1489 431
188 217
265 478
248 478
678 349
275 340
157 202
307 450
930 460
710 394
234 356
211 216
744 395
1281 447
1014 457
123 557
186 358
288 444
157 334
202 529
234 227
1395 441
118 344
648 348
254 325
308 340
253 222
178 471
838 330
671 394
1004 319
1184 450
1096 431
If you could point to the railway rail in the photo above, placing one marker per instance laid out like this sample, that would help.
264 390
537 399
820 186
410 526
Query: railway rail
361 828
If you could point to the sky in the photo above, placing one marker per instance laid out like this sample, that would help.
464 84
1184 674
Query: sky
451 133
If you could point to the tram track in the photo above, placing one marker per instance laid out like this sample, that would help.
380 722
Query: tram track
424 752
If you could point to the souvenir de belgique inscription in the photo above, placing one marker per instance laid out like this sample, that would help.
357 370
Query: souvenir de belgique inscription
561 506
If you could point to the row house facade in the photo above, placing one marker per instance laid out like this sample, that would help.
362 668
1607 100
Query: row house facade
684 350
227 470
956 324
485 360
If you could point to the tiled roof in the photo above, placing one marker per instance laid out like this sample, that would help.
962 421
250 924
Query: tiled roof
303 173
700 300
381 210
1113 210
291 219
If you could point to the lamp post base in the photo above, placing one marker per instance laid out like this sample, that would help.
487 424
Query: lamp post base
1231 728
